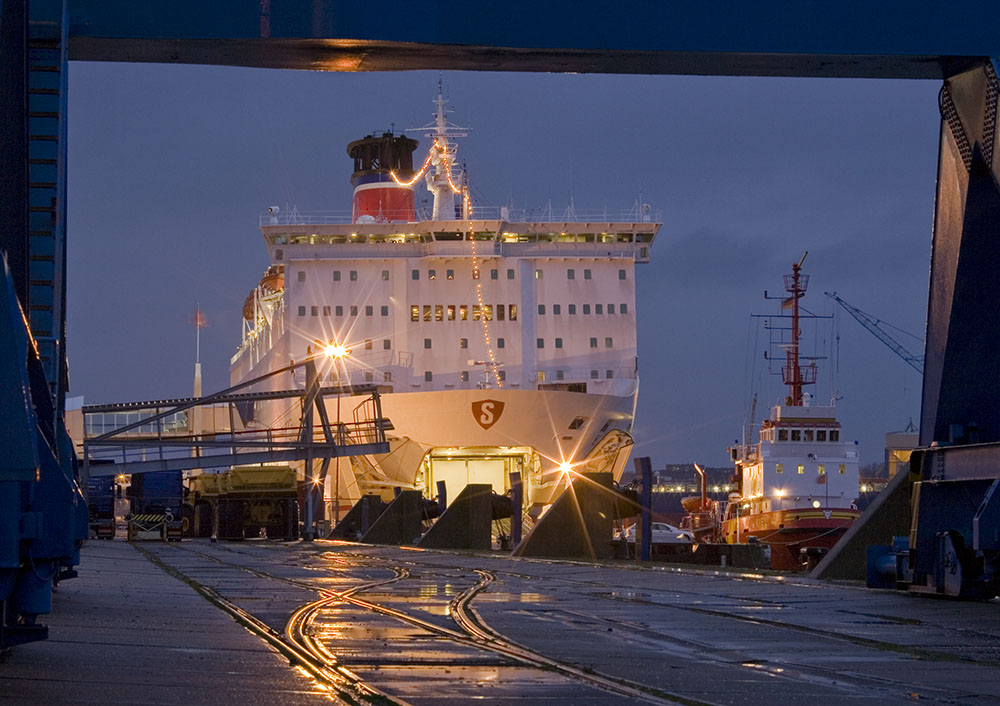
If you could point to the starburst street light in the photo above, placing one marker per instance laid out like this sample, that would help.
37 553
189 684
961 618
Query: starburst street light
565 467
336 350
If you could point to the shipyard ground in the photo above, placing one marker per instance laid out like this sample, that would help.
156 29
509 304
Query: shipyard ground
261 622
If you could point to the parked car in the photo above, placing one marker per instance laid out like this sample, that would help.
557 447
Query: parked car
663 533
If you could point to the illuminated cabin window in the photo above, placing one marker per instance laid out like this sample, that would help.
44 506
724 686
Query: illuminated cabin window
800 469
427 312
821 435
450 274
465 376
431 274
808 434
539 274
841 469
512 310
488 311
796 435
463 343
414 312
779 468
541 373
463 313
451 312
439 312
368 344
821 469
782 435
834 435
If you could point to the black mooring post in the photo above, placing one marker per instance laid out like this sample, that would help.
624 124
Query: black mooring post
442 497
644 469
516 507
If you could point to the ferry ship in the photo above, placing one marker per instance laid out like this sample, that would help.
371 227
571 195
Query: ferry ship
797 486
498 342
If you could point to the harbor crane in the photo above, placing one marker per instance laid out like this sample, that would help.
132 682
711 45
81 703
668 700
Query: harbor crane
875 326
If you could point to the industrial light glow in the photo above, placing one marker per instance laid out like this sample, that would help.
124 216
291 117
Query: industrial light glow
336 350
565 467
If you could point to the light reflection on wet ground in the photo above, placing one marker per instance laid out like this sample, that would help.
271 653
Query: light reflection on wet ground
701 637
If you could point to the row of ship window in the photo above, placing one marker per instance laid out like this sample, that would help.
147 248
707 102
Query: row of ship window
807 435
450 274
502 312
502 343
800 469
502 375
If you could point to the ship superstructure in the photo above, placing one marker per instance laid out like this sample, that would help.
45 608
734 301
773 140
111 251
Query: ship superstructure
797 485
500 343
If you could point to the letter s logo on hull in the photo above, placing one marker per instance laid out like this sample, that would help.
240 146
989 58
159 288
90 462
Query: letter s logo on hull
487 412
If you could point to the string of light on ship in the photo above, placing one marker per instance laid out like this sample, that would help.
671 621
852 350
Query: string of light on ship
467 208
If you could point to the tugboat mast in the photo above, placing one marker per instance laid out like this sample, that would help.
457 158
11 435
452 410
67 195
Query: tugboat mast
793 375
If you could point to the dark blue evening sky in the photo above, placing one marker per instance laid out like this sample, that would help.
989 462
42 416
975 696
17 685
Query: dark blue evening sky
169 167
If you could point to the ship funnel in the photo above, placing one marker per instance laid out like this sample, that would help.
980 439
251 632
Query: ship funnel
377 195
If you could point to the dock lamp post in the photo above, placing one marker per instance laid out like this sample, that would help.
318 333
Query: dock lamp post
337 352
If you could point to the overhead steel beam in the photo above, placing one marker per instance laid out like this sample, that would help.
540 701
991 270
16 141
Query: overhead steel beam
848 38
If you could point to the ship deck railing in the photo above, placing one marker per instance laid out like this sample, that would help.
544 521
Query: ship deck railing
641 214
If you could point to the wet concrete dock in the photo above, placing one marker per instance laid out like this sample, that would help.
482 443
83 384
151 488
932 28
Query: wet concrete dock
288 623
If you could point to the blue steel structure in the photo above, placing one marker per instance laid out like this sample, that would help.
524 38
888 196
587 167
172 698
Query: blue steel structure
40 499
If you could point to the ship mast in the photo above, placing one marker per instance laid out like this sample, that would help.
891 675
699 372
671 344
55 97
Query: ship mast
444 177
793 375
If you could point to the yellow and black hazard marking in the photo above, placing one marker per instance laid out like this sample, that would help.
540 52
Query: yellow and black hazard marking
147 518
